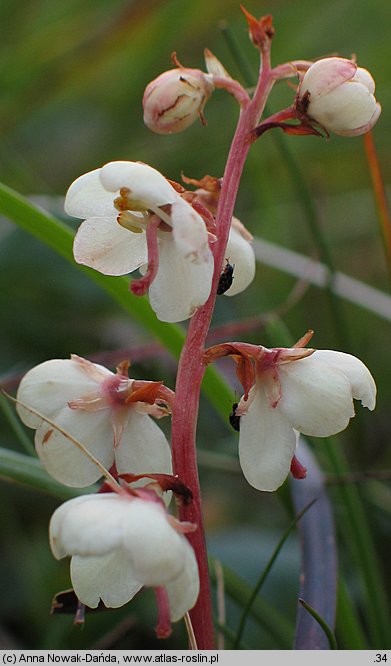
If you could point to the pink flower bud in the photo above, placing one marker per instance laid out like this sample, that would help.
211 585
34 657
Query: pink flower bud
174 100
338 95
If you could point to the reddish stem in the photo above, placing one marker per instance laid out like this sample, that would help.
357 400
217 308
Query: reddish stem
234 88
191 368
285 114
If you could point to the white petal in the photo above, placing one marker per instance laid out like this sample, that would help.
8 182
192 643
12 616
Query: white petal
315 398
62 459
183 591
189 232
87 196
50 385
326 74
362 383
143 447
147 186
156 549
88 525
240 253
106 246
55 525
108 577
349 106
180 286
267 444
363 76
362 129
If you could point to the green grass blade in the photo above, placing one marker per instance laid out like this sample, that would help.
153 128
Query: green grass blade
274 622
264 575
358 536
348 627
16 425
28 471
329 633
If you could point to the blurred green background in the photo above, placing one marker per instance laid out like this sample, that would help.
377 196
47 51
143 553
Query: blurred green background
72 80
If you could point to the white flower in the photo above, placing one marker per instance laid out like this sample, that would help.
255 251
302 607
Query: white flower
106 412
339 96
240 255
183 280
120 203
120 543
311 395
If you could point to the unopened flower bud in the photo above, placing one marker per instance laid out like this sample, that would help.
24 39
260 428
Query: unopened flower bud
338 95
174 100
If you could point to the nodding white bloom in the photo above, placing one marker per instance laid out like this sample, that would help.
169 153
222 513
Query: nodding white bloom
135 219
339 96
312 395
239 251
108 413
291 391
240 255
175 99
122 542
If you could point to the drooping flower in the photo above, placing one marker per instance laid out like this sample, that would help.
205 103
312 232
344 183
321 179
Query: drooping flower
175 99
121 542
239 251
291 391
339 96
108 413
241 255
135 219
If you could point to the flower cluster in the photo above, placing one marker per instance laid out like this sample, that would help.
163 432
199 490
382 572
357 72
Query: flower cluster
124 540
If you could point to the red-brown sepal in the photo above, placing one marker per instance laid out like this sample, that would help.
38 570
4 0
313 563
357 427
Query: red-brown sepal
301 129
261 30
144 391
166 482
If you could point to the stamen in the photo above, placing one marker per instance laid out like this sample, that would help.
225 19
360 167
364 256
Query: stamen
92 402
163 627
131 222
123 202
141 286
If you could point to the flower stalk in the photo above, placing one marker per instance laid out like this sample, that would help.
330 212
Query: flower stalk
191 367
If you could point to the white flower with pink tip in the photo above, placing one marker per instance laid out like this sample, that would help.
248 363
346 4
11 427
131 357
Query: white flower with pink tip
135 219
108 413
339 96
287 392
121 542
